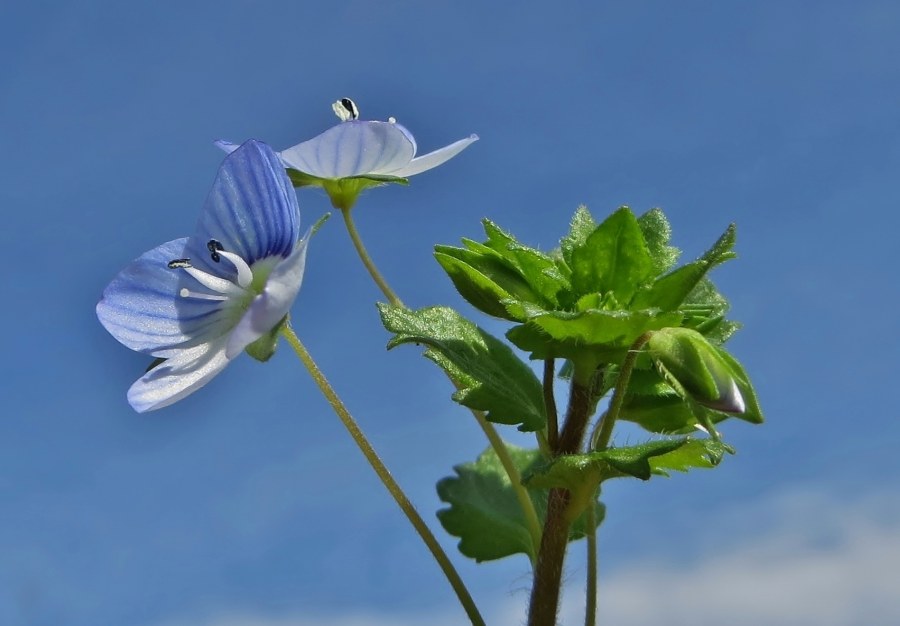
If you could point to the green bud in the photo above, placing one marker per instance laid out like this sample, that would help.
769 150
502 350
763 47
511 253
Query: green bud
263 348
697 369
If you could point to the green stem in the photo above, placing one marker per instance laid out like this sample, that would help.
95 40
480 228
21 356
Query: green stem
372 457
515 479
550 404
601 442
367 260
545 591
590 611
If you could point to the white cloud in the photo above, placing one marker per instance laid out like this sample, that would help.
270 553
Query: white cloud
823 561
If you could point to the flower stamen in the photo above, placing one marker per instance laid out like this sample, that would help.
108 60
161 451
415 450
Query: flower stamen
215 283
345 109
244 273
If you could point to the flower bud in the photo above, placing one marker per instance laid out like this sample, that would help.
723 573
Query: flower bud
697 369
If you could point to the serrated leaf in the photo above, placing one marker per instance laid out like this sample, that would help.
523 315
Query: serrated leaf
583 473
474 286
614 258
538 269
490 376
580 229
695 454
657 232
705 309
669 291
564 334
485 513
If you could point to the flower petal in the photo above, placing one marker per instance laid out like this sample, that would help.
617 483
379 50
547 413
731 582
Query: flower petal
227 146
252 209
181 375
269 307
433 159
351 149
141 307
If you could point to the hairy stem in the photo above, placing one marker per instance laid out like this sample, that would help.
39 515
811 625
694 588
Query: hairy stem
367 260
545 591
550 403
590 600
384 475
601 441
531 518
528 510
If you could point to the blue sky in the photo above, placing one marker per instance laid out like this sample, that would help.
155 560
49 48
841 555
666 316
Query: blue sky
246 503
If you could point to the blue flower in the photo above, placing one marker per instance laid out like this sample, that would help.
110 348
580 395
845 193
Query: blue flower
356 149
199 301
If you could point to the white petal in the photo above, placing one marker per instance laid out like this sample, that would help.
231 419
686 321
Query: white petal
432 159
269 307
351 149
179 376
227 146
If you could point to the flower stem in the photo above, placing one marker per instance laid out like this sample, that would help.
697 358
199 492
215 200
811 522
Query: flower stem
531 518
603 435
372 457
367 260
515 479
600 441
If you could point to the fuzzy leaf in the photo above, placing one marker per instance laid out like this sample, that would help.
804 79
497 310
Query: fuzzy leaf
583 473
657 232
490 376
563 334
669 291
485 513
614 258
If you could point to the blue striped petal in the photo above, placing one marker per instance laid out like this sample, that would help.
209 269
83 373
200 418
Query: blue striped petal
252 209
351 149
141 307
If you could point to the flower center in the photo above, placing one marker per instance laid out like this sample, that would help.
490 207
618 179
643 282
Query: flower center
224 289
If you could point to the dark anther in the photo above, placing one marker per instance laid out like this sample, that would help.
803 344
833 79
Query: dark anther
348 104
179 263
214 246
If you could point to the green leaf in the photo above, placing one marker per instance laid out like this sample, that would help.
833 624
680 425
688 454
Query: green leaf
657 232
669 291
564 334
705 310
580 229
695 454
614 258
581 474
474 285
485 513
538 269
490 377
